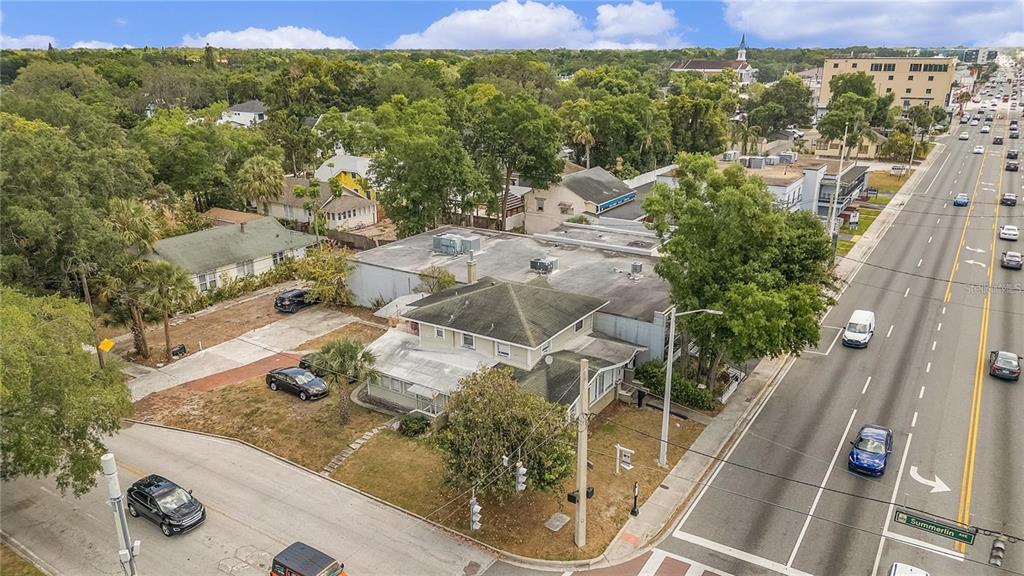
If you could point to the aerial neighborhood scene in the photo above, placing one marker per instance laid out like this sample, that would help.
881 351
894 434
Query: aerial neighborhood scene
511 288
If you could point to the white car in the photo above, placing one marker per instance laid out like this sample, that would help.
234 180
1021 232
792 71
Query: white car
974 122
979 149
965 136
986 129
1008 232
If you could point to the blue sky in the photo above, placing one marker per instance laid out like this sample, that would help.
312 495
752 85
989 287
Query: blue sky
513 23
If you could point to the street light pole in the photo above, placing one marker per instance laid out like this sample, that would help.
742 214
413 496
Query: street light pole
833 206
666 405
127 550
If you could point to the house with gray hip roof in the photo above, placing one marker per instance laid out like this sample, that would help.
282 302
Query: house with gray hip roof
244 114
594 190
535 330
221 253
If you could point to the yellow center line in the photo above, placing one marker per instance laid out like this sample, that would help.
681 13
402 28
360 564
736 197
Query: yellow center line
967 483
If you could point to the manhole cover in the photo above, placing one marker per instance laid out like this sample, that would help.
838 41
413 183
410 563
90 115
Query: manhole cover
471 569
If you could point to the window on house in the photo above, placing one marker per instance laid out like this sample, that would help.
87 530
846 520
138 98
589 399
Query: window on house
889 67
862 149
836 65
888 90
502 349
876 67
578 326
907 91
891 76
244 268
565 208
289 212
915 67
278 257
207 281
927 90
911 77
439 332
854 64
540 204
468 341
930 78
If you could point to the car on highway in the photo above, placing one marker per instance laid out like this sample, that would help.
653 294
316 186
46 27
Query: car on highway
1005 365
859 329
870 450
974 122
300 559
1015 135
965 136
979 149
997 139
1012 166
961 199
986 129
1008 199
293 300
298 381
1011 260
1012 154
1008 232
964 119
166 504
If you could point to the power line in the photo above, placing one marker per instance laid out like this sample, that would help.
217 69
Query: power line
923 276
938 299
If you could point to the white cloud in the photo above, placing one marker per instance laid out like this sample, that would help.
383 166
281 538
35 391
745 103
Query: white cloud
27 41
636 19
531 24
121 21
876 22
97 45
1008 40
283 37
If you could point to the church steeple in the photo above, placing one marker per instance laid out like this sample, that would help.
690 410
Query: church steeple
741 54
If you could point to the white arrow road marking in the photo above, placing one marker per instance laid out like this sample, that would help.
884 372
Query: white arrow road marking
978 250
982 264
937 485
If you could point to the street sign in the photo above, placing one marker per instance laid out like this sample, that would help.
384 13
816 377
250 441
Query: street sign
106 345
935 527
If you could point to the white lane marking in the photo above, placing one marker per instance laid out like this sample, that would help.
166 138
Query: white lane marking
913 423
921 393
987 184
943 309
889 333
944 204
658 557
937 172
569 572
928 368
937 485
905 294
937 220
821 488
929 239
978 250
865 388
939 327
892 501
923 545
919 262
740 554
982 264
934 344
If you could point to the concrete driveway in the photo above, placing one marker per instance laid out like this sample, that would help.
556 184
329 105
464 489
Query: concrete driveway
286 334
256 506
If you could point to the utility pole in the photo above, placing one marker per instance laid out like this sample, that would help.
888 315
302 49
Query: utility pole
913 150
583 411
833 206
127 550
667 400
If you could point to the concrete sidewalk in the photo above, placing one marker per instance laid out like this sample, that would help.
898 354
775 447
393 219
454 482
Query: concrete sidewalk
274 338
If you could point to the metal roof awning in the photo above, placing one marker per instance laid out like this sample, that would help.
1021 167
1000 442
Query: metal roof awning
423 391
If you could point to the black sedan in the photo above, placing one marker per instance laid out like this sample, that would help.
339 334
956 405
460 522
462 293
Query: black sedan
1012 166
1008 199
1011 154
303 383
165 503
1005 365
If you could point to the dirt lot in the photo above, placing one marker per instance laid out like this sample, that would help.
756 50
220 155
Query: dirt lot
365 333
307 433
409 473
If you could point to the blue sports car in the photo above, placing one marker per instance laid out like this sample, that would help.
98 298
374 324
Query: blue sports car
961 200
871 450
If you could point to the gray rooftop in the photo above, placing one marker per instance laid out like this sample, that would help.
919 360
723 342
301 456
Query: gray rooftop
328 201
522 314
595 185
210 249
599 272
558 381
250 106
632 210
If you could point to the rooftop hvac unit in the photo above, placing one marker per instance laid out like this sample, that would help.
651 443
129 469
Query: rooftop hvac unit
636 267
787 157
771 160
545 265
470 243
756 162
730 155
450 244
745 161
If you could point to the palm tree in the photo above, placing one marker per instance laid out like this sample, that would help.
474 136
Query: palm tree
133 223
170 289
342 362
962 98
746 132
122 292
259 180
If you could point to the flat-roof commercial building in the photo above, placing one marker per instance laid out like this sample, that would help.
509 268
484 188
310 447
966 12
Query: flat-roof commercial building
913 81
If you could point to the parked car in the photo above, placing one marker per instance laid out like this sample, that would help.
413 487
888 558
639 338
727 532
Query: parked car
1008 199
301 559
965 136
793 132
1005 365
306 363
298 381
1008 232
870 450
961 199
1012 166
1011 260
165 503
293 300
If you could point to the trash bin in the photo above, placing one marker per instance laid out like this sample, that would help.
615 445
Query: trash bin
640 395
178 351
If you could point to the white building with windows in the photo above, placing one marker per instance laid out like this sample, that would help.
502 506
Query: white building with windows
221 253
343 209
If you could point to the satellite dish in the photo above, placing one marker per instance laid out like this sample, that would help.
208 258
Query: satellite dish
548 360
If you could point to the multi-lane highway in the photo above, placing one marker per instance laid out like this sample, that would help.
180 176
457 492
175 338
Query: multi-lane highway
941 302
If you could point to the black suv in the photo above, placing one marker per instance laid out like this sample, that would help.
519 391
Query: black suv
1011 155
1008 199
997 140
303 383
165 503
293 300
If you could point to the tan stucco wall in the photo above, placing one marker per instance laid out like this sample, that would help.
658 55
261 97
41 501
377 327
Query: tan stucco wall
540 221
940 85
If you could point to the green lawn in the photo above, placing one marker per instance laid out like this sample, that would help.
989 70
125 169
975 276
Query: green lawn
887 183
12 564
843 247
867 216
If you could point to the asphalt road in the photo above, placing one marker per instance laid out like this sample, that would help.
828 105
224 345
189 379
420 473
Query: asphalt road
256 506
941 302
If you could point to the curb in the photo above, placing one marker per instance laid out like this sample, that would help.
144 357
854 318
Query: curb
27 555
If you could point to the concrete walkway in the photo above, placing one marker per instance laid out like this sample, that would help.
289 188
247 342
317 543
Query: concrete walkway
274 338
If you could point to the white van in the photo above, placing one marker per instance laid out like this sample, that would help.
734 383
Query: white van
859 330
898 569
